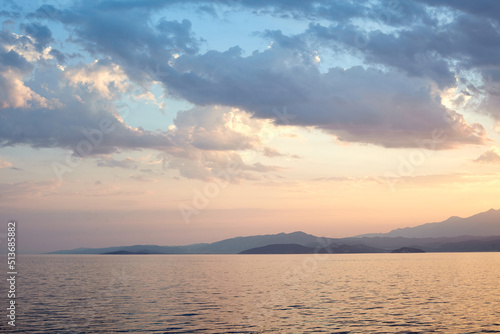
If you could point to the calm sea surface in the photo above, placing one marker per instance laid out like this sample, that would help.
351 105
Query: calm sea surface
351 293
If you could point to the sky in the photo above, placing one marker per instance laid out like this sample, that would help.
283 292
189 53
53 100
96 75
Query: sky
178 122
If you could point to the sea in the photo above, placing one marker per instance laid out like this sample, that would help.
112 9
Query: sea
311 293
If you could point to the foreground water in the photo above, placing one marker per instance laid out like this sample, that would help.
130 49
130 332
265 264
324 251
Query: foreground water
367 293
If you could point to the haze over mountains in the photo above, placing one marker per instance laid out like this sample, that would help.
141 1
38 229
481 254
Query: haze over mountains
227 246
480 232
482 224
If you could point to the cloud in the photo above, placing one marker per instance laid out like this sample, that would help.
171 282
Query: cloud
433 51
86 130
201 144
440 41
356 104
425 180
127 163
400 12
444 180
216 128
4 164
41 34
487 8
271 152
492 156
13 60
489 90
393 100
141 178
14 94
135 45
13 191
412 50
69 110
208 141
365 105
61 57
10 14
16 54
211 165
441 50
281 8
24 45
11 9
101 76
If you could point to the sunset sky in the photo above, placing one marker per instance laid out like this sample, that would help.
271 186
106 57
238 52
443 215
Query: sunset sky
177 122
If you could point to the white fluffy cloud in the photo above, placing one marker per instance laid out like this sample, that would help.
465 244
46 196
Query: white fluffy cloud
210 141
101 76
15 94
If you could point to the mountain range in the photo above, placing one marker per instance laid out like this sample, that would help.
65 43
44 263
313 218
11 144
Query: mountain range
482 224
480 232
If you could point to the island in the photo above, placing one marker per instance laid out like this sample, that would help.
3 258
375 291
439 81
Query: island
408 250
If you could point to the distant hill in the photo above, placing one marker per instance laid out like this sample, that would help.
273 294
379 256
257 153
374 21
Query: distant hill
151 249
482 224
227 246
478 233
351 249
408 250
280 249
124 252
484 244
318 245
239 244
299 249
387 245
